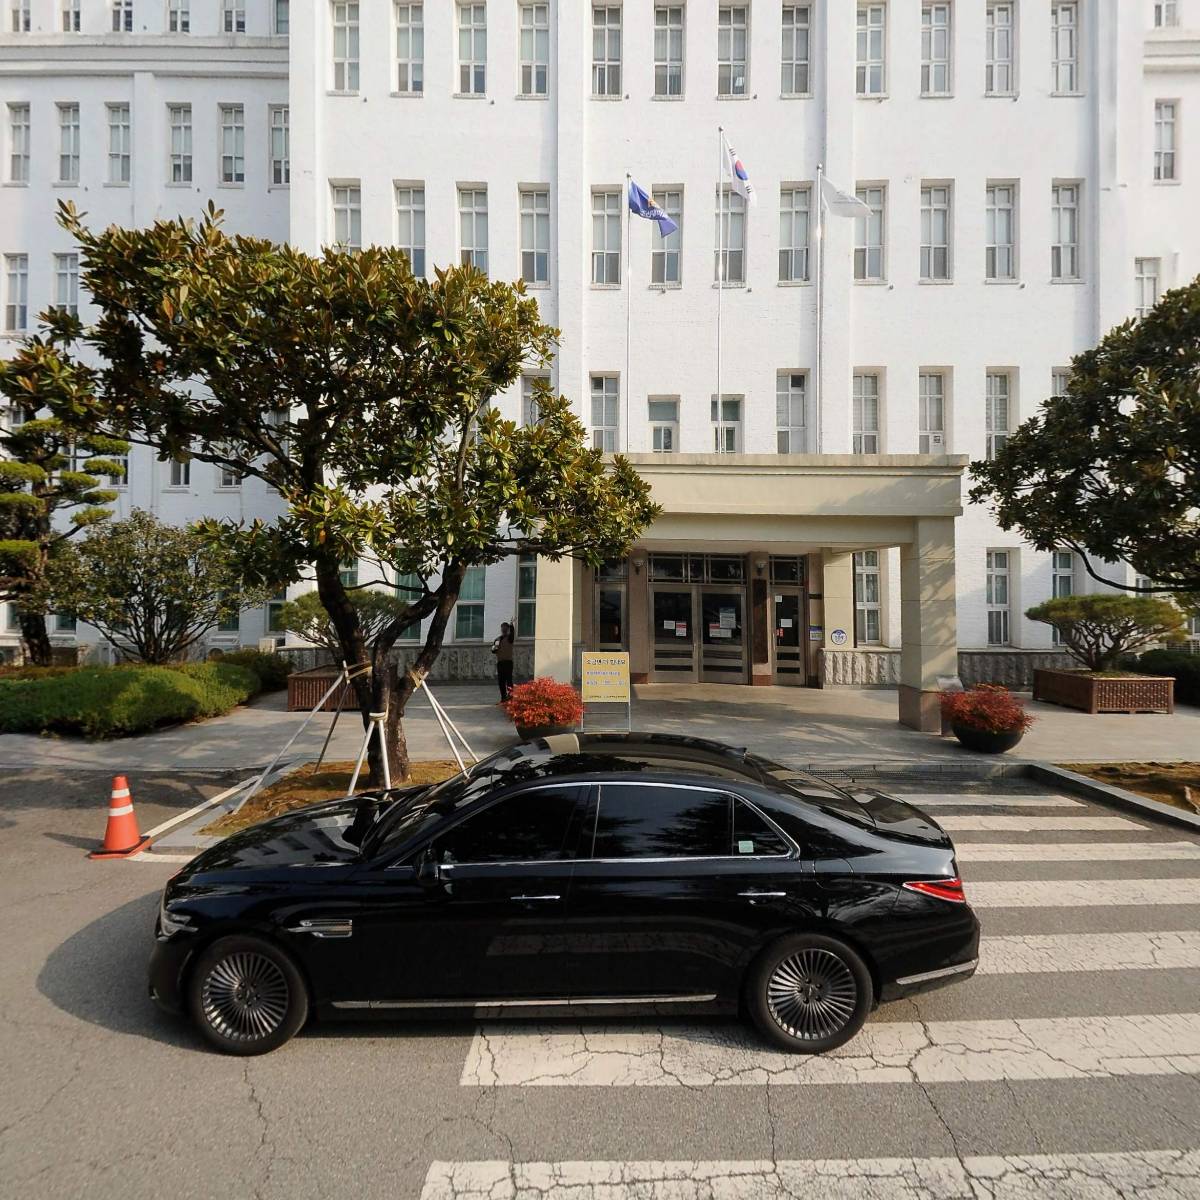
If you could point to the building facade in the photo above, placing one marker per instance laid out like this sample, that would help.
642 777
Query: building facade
1025 164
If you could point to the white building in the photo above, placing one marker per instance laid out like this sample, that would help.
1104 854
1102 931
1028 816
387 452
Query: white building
1028 167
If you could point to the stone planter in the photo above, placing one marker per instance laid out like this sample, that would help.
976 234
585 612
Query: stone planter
1102 694
528 732
983 741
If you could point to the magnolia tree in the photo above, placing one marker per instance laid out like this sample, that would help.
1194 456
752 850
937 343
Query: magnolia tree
153 590
1098 630
358 392
305 616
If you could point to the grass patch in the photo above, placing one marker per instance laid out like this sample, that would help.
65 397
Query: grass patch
1164 782
306 786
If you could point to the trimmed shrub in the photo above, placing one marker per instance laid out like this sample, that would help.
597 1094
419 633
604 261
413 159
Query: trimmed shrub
544 701
32 672
105 702
1185 668
272 669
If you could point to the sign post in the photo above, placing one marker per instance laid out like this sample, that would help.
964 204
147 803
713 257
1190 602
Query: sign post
605 680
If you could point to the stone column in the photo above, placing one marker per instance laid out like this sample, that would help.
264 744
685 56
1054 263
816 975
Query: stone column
928 629
837 590
553 639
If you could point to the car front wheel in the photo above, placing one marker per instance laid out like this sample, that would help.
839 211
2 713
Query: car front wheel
247 995
809 993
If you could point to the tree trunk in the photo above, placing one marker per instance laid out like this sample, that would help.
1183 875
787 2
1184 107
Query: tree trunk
35 639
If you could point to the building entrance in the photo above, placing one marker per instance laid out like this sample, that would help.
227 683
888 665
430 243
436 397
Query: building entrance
699 633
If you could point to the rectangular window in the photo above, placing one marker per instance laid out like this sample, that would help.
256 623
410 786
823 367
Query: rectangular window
1000 74
1060 378
1001 253
1064 573
410 48
931 417
179 16
66 283
68 143
533 386
122 16
666 265
64 623
733 49
606 238
229 622
526 595
345 46
281 18
997 598
409 588
795 217
70 16
1166 12
1064 249
867 604
233 143
473 227
935 49
121 478
281 145
472 49
535 236
179 117
797 49
869 234
726 417
348 573
275 613
606 50
181 472
935 231
791 412
870 76
606 403
730 265
535 48
347 215
998 415
663 412
21 23
1146 271
1064 46
668 49
18 143
866 413
228 477
410 225
468 612
1164 140
16 292
233 16
120 144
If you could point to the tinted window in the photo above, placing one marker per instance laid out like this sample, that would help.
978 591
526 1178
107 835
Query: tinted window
635 821
752 834
528 827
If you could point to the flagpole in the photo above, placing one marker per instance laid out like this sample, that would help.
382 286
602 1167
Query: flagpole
628 272
720 249
820 298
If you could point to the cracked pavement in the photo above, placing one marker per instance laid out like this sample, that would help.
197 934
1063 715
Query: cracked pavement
1068 1067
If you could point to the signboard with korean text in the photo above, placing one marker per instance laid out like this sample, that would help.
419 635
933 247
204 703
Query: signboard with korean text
605 677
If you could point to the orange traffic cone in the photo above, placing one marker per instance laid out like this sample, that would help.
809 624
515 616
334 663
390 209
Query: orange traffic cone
121 837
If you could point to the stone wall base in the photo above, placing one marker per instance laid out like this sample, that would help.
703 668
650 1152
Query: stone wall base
880 667
455 664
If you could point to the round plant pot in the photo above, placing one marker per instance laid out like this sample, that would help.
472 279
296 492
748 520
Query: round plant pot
527 732
985 742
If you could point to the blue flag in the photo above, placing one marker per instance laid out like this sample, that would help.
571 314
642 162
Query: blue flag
642 203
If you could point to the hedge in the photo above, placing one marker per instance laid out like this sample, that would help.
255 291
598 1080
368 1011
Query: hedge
272 669
105 702
1184 667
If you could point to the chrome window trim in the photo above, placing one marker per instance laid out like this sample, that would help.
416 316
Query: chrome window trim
926 976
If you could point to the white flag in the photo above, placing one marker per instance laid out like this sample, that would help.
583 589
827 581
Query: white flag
738 175
842 203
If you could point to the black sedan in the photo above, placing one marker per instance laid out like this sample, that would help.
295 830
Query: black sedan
589 874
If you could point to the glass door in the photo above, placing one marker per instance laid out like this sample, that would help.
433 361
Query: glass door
673 635
788 623
723 635
610 616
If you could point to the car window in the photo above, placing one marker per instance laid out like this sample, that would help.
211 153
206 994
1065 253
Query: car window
636 821
530 826
753 834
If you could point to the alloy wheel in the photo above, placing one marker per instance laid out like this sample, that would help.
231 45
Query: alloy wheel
812 994
245 996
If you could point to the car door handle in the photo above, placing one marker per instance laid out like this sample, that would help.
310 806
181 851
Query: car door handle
763 895
526 899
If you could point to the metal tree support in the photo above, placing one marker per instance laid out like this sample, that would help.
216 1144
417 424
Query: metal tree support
443 719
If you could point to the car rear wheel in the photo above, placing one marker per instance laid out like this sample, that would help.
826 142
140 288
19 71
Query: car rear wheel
246 995
809 993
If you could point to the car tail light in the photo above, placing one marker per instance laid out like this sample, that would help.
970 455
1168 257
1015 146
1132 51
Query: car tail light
939 889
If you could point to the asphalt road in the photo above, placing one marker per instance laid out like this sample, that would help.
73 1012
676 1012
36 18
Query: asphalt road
1069 1066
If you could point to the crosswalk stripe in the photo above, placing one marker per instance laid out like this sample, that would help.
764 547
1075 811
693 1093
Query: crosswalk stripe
1022 954
1012 823
1082 893
1075 851
1164 1174
976 800
900 1052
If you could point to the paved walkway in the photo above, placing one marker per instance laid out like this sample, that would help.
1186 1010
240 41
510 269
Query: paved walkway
799 725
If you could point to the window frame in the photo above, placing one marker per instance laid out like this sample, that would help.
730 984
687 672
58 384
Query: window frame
731 215
120 143
937 199
231 145
663 430
533 49
996 32
66 281
476 606
994 575
16 279
534 228
479 217
728 432
993 248
931 63
526 622
670 68
20 142
665 251
868 612
860 394
1069 64
997 433
866 64
1166 157
472 69
789 395
1141 276
233 16
414 213
727 59
351 205
69 143
790 62
179 16
345 65
1058 211
601 429
790 211
928 397
280 165
180 159
606 218
122 16
71 16
863 225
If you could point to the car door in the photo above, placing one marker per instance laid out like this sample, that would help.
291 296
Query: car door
490 925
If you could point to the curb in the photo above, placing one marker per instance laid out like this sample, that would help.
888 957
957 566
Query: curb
1105 793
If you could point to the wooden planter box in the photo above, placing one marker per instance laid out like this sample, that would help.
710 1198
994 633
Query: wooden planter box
1124 694
305 688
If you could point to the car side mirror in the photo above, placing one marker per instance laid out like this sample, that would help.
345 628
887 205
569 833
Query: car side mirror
428 873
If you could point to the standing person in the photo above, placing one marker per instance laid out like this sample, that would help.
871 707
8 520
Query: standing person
502 648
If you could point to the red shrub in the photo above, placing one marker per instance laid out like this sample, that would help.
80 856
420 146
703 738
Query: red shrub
544 702
987 707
